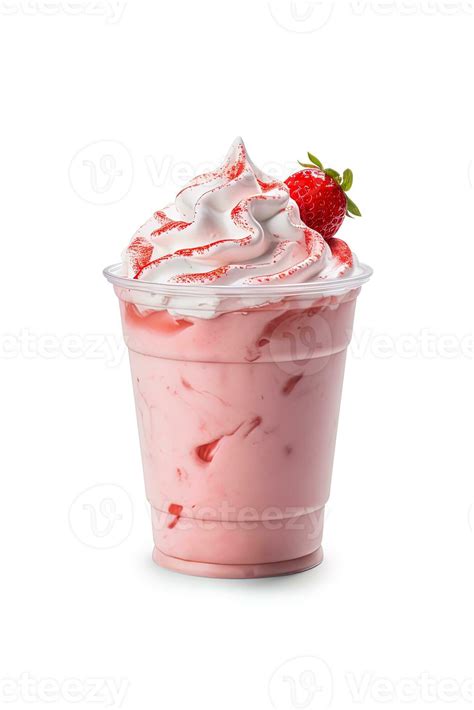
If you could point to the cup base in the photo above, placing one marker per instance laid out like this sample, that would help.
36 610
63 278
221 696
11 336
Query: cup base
222 571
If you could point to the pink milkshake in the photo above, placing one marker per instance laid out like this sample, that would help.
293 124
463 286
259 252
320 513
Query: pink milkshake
237 317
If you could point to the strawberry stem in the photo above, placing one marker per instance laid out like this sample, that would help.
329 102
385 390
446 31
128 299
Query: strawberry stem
334 174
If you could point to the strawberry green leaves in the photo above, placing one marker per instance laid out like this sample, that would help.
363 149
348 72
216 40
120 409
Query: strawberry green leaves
352 208
347 179
315 161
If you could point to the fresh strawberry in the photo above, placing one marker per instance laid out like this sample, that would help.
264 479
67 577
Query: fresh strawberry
342 254
320 194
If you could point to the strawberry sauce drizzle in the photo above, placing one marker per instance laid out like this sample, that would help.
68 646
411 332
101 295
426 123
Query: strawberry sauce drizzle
167 227
254 424
206 452
204 277
291 384
139 253
341 251
266 186
175 510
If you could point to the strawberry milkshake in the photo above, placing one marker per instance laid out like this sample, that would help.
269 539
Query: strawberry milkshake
237 316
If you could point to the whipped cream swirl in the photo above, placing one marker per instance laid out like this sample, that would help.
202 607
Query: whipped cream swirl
233 226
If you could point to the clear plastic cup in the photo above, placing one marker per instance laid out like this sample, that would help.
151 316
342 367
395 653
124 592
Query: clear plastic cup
237 406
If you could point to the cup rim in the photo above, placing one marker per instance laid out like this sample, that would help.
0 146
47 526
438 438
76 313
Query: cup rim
342 284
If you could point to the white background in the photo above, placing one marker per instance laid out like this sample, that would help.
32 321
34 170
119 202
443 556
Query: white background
382 87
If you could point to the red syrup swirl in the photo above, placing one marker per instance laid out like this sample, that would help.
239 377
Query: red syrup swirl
291 384
174 509
206 452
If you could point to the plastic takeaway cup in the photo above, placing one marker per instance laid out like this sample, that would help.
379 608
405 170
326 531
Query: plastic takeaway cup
237 399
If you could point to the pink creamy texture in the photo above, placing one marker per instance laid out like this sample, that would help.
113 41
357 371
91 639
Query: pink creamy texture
238 415
233 226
